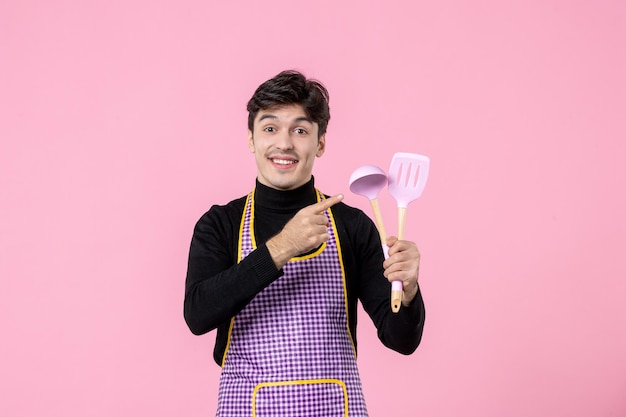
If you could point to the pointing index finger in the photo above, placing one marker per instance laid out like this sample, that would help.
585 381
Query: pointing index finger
327 203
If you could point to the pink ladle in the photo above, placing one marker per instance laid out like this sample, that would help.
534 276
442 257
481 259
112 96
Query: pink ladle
367 181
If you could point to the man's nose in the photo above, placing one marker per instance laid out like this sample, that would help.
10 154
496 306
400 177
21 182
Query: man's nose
284 140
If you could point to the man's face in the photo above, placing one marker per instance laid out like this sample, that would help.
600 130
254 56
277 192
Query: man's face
285 144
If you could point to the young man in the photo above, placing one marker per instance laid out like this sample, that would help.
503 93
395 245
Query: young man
278 273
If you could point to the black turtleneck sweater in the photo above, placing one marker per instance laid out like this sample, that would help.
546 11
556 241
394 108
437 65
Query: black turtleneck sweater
217 288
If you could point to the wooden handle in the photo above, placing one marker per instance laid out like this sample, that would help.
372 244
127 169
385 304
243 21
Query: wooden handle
396 287
396 297
379 220
396 290
401 222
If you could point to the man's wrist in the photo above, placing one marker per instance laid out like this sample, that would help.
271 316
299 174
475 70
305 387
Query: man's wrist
409 296
278 251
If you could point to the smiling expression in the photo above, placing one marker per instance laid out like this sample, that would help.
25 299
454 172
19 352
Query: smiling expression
285 143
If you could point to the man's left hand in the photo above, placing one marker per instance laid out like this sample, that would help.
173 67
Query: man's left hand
403 265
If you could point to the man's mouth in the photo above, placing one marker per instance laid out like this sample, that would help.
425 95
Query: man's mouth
284 162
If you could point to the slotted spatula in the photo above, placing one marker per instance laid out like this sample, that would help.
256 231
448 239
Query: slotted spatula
407 177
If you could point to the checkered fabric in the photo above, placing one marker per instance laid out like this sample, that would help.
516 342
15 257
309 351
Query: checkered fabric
290 353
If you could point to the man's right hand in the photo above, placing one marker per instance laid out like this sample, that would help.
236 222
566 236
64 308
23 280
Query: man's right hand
307 230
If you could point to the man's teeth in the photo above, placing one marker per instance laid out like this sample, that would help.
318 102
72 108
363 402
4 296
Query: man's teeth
283 161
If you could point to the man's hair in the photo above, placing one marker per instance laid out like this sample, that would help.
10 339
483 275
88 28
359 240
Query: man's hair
291 87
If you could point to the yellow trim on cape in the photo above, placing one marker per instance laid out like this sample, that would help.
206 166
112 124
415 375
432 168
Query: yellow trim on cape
343 279
239 257
301 382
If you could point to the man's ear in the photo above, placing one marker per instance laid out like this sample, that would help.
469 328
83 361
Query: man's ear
250 141
321 145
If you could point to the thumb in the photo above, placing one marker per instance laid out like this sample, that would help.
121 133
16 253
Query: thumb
391 240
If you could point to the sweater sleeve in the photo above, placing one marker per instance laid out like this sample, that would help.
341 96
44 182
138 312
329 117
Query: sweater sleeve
217 287
400 331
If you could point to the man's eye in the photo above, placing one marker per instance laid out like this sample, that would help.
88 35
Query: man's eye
269 129
300 131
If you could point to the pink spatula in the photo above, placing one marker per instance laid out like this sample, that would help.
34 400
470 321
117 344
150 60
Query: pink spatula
408 173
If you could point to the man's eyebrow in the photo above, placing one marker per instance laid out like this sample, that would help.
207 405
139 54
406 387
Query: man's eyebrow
303 119
296 120
267 116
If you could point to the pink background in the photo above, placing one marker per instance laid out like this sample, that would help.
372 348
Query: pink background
121 122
